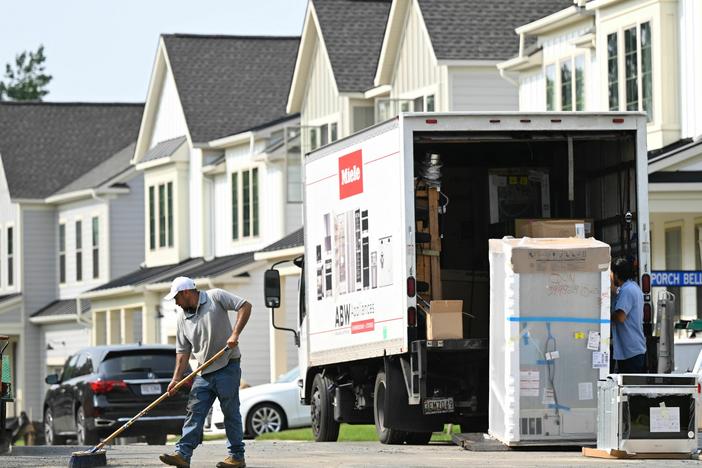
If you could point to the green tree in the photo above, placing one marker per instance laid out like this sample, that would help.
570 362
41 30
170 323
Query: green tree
26 81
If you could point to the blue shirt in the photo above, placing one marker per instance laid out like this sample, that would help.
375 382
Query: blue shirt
628 338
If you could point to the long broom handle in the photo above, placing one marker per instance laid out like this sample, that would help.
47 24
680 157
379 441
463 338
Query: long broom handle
153 404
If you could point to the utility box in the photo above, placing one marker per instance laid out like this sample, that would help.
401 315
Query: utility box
648 413
549 339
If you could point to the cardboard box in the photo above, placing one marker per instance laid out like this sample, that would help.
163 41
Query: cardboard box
539 228
445 320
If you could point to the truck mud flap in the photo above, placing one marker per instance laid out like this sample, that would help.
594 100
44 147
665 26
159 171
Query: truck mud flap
344 411
399 414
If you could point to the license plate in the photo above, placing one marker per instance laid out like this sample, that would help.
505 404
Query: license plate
151 389
438 405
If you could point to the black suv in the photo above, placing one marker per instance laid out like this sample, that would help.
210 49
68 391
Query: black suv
102 387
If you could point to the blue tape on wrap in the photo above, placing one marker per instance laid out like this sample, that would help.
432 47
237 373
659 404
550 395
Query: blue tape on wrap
560 407
557 319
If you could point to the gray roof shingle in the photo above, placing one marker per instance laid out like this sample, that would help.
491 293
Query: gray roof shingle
62 307
353 33
231 84
164 149
111 167
481 29
294 239
46 146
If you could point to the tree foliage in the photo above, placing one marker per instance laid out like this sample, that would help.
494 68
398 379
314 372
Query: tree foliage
26 80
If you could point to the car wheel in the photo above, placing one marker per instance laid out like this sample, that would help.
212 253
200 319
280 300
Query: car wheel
85 436
324 427
386 435
159 439
50 436
265 417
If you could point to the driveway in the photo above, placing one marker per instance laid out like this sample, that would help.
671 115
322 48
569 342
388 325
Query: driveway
346 454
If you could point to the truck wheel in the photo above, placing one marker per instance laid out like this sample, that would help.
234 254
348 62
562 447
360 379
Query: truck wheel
418 438
385 435
324 427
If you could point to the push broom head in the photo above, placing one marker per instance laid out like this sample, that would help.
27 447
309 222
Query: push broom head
88 459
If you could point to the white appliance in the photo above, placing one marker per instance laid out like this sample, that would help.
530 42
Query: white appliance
549 339
647 413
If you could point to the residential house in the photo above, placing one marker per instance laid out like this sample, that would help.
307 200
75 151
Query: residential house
222 173
66 196
364 62
631 55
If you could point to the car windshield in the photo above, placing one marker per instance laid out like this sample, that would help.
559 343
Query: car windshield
138 362
289 376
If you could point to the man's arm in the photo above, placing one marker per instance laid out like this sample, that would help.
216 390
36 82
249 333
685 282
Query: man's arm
619 316
242 317
181 363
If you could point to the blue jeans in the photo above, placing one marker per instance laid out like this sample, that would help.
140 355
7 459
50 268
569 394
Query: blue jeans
633 365
224 385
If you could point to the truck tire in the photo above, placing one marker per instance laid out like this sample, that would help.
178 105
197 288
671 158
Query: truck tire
324 427
386 435
418 438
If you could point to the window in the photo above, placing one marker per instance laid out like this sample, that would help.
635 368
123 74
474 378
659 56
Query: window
62 253
580 83
313 139
637 70
419 104
566 86
96 247
169 216
673 261
245 204
162 215
647 71
79 250
551 88
631 69
333 132
613 71
10 256
235 205
430 103
324 134
363 117
152 218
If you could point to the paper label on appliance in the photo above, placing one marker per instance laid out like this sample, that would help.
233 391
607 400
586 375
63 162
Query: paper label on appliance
585 390
548 398
529 392
600 360
593 340
665 419
529 382
552 356
529 375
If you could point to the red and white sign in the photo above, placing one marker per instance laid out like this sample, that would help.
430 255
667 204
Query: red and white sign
362 326
350 174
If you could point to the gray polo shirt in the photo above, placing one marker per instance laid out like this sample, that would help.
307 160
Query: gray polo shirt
205 332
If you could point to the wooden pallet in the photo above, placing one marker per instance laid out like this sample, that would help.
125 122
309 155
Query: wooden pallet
428 261
621 455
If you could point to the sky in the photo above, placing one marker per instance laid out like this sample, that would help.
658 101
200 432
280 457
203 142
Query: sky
103 50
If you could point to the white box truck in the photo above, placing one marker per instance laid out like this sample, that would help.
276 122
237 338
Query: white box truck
363 350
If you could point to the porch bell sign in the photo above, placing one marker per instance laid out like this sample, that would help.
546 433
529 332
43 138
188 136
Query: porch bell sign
676 278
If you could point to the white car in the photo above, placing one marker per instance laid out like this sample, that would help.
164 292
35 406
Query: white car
264 408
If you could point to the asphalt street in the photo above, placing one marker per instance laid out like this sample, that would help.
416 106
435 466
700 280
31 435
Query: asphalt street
345 454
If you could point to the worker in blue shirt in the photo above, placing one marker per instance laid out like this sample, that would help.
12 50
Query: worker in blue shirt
627 320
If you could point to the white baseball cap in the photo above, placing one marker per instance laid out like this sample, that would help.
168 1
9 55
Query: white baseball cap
181 283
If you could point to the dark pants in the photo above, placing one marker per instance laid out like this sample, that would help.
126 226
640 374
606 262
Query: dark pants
633 365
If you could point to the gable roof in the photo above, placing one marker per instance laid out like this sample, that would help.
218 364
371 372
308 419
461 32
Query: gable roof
294 239
353 35
230 84
103 172
481 29
62 307
46 146
164 149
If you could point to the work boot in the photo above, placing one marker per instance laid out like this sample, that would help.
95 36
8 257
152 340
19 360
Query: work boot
231 462
174 459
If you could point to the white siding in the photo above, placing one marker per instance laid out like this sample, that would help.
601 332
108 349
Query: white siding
11 316
40 288
532 91
9 216
293 217
126 230
170 120
481 89
223 214
322 101
194 217
83 211
690 13
417 72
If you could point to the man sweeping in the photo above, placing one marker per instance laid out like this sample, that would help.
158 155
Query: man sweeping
203 330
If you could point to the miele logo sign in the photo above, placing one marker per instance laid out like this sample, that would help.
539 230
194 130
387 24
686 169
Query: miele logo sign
350 174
